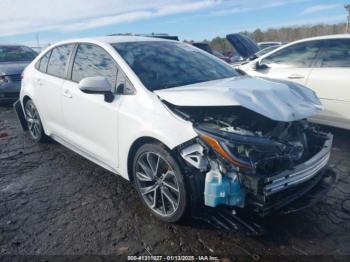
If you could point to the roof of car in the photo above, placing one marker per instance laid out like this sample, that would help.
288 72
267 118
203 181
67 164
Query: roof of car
5 44
116 39
325 37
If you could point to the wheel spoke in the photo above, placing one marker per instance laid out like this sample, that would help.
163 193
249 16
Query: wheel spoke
28 113
163 203
143 177
149 189
36 129
154 198
145 168
153 162
171 187
169 197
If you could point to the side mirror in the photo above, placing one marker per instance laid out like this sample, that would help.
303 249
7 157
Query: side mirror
125 89
97 85
120 89
261 66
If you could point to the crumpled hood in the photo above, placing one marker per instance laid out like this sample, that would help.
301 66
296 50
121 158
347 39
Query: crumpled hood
277 100
12 68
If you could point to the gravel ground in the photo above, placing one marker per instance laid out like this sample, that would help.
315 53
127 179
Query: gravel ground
54 202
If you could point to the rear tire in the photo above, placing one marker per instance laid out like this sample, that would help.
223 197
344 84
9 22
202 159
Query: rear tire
34 123
160 183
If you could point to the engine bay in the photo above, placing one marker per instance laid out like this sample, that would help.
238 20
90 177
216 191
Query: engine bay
244 154
269 146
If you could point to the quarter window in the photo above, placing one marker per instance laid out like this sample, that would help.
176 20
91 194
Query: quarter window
336 53
296 56
59 60
91 61
43 62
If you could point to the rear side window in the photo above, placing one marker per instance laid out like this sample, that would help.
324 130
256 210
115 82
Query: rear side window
91 61
296 56
43 62
336 53
59 60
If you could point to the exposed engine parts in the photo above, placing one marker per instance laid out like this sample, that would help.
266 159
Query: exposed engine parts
249 159
194 154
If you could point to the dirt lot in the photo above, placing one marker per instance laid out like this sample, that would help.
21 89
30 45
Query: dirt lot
54 202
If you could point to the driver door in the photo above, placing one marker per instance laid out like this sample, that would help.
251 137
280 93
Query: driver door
90 121
291 63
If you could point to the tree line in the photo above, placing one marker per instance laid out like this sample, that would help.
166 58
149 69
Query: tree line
283 34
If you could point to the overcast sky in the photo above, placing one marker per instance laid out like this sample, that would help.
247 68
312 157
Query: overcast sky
22 20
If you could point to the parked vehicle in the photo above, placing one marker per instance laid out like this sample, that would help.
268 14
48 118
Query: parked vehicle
206 47
221 56
154 35
320 63
263 45
13 59
186 128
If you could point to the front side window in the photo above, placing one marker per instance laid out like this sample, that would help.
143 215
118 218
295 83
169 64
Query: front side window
16 53
296 56
91 61
336 53
59 60
162 64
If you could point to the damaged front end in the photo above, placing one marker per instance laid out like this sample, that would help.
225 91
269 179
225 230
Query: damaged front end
254 163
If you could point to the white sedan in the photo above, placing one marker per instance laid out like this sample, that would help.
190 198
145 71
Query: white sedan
320 63
188 129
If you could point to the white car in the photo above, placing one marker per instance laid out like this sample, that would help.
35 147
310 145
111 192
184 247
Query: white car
189 130
263 45
320 63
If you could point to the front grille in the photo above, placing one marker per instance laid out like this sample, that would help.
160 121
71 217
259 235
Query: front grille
15 78
300 174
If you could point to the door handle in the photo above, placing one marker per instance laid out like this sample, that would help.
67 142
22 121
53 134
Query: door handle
38 80
296 76
67 94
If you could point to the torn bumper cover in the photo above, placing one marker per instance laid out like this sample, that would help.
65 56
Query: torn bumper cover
229 219
232 182
274 192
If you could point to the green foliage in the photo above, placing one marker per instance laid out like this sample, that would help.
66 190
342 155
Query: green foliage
283 34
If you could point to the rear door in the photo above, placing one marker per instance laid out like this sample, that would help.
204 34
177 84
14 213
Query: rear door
91 123
48 81
331 80
290 63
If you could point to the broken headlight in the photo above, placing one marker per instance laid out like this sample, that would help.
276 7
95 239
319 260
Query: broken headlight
242 151
234 154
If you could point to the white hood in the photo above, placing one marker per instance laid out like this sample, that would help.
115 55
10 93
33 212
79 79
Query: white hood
275 99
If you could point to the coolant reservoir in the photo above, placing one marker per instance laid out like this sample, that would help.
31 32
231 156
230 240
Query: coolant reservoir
222 189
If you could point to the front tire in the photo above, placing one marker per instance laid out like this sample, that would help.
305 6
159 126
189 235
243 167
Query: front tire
34 123
160 183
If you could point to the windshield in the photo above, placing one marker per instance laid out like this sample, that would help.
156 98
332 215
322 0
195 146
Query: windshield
161 65
266 50
16 54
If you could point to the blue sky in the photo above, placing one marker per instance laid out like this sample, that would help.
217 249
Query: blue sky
189 19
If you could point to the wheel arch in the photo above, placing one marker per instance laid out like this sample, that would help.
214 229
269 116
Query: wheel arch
25 99
135 146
